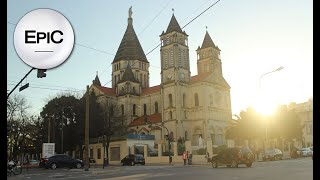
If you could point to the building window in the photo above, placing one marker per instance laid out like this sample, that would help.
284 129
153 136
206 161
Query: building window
144 80
170 100
168 40
115 79
171 56
196 99
141 78
144 109
118 77
166 59
156 107
114 153
133 89
122 109
185 114
170 114
91 153
99 153
179 57
134 110
184 100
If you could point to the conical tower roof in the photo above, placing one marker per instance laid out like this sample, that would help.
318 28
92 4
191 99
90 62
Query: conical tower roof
96 81
128 76
130 47
173 25
207 41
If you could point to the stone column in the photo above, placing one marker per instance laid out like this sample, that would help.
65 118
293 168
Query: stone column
209 147
159 150
175 149
145 151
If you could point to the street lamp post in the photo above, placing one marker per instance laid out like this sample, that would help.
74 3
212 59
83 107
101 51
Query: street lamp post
278 69
169 139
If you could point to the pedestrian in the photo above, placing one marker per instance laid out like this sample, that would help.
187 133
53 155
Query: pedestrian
208 157
190 158
184 157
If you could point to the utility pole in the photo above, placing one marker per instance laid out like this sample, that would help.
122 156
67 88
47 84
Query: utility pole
86 166
49 129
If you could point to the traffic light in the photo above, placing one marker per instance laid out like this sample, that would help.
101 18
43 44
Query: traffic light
41 73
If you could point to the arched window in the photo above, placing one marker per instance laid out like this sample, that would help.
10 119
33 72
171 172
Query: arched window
144 80
115 79
133 89
156 107
134 110
196 99
118 77
141 78
170 100
122 109
170 115
171 57
184 100
144 109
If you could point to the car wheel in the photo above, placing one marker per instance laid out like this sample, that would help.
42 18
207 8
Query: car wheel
234 164
78 166
132 163
53 166
249 164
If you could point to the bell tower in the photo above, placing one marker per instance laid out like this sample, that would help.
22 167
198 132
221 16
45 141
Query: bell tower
174 50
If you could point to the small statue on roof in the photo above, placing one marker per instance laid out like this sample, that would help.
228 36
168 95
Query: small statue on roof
130 12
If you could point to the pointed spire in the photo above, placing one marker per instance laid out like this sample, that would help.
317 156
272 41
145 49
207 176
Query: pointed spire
96 81
128 75
207 41
130 47
173 25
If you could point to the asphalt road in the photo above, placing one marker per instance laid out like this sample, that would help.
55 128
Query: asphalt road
292 169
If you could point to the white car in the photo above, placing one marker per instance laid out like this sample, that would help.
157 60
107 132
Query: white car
305 152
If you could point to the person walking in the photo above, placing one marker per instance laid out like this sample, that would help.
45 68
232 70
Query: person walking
184 157
190 158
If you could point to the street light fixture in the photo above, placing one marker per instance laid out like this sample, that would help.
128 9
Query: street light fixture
169 139
278 69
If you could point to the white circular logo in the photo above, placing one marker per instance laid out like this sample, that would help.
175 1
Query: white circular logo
43 38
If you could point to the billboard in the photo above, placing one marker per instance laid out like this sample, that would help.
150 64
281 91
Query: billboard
48 150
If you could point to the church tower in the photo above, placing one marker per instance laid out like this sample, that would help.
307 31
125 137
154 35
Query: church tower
208 57
174 54
130 60
175 77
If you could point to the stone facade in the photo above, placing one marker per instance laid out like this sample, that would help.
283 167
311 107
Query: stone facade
188 106
305 113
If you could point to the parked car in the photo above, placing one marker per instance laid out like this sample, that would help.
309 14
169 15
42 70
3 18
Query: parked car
133 159
304 152
232 157
272 154
63 160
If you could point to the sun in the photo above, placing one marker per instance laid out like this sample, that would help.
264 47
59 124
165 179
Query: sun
265 105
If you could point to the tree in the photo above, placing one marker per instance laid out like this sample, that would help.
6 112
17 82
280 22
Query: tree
63 112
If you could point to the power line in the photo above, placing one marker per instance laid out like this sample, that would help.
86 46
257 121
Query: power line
155 17
188 23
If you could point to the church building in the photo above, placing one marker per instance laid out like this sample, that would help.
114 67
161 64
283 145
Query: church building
187 107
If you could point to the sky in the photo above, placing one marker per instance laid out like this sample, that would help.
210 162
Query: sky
255 37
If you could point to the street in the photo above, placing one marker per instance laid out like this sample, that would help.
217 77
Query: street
291 169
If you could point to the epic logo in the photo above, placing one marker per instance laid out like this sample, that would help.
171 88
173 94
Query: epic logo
43 38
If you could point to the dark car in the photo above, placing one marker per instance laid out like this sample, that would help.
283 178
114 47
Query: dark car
62 160
232 157
133 159
272 154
